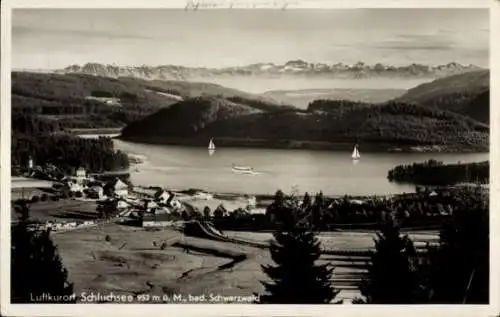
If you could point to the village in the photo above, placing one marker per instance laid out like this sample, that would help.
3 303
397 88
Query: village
107 197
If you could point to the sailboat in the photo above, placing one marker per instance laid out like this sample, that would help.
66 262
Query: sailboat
211 145
355 153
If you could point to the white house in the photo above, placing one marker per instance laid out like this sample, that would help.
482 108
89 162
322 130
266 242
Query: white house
96 192
75 187
121 204
203 196
120 188
81 174
162 196
356 202
251 201
150 205
175 204
167 198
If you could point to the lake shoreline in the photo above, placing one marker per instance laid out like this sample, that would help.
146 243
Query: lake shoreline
260 196
304 145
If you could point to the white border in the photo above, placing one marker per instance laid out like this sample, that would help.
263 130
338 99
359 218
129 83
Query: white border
245 310
297 4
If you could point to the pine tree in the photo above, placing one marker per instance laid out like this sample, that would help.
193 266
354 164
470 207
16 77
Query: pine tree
306 201
319 200
296 279
458 270
36 267
393 276
275 211
317 211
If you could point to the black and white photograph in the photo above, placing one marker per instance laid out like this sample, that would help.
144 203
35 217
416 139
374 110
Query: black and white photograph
219 153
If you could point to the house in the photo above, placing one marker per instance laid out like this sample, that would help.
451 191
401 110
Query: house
75 187
96 192
203 196
167 198
120 188
162 196
251 201
81 173
157 220
356 202
122 204
175 204
110 101
149 205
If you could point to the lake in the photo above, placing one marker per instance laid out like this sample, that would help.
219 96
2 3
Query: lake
332 172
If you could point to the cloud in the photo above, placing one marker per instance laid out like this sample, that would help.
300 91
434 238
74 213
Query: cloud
91 34
417 42
414 46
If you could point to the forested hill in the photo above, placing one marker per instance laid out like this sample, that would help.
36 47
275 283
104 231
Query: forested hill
389 126
86 101
466 94
45 104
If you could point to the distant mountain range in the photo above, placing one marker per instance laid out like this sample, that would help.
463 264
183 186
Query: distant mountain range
299 67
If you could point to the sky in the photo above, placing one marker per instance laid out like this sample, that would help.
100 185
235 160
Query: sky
56 38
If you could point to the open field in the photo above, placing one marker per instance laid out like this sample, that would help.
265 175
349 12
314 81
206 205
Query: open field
25 193
25 182
132 262
62 210
346 240
24 187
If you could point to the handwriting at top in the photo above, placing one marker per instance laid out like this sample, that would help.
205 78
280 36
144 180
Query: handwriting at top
199 4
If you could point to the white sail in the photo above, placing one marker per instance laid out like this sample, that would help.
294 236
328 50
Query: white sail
211 145
355 153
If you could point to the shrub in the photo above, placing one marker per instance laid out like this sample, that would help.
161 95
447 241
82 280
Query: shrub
44 197
79 194
107 238
296 278
21 202
35 199
34 254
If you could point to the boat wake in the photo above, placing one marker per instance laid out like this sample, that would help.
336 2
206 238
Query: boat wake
243 170
159 168
247 172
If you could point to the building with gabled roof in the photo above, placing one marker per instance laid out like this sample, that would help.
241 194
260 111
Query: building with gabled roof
120 188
